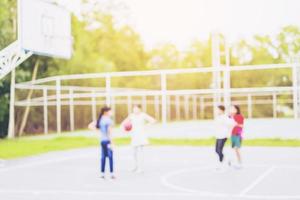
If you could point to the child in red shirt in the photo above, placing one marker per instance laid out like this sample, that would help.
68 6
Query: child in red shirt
237 131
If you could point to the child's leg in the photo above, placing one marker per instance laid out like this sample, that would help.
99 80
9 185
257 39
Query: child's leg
135 157
111 161
141 158
217 148
238 155
223 141
103 156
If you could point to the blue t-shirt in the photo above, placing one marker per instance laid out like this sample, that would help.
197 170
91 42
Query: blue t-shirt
104 125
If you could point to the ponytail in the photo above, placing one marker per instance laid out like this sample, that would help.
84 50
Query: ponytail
103 110
238 109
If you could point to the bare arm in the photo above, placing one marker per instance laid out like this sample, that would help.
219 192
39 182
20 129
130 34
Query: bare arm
127 119
149 119
240 125
110 134
92 125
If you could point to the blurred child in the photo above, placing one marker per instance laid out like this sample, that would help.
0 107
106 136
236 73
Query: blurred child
224 125
104 123
139 138
237 131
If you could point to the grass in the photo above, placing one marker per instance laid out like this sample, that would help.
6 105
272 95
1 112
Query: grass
14 148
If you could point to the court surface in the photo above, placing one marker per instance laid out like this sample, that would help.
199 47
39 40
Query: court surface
170 173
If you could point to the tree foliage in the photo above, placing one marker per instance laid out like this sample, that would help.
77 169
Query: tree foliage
102 45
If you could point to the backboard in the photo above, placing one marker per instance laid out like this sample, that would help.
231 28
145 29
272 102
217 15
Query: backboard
44 28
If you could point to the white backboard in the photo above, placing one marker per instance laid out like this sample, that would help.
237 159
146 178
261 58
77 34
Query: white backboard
45 28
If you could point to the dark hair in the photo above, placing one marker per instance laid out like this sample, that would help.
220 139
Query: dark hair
221 107
103 110
238 110
137 105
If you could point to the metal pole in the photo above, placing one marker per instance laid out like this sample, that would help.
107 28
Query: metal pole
226 81
216 62
45 111
71 108
249 100
58 105
163 79
108 89
11 125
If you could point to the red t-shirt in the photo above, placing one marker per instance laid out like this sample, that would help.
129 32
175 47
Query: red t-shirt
237 130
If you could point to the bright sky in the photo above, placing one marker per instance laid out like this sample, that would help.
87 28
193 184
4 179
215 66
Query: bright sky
182 21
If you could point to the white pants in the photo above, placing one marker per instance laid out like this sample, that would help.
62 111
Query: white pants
138 155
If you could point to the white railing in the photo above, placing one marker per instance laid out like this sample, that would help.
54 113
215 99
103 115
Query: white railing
76 95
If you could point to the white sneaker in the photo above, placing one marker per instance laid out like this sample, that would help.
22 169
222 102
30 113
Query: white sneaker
220 167
102 176
238 166
139 171
134 169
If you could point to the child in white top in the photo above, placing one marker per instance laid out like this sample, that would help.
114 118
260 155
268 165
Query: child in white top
224 125
139 138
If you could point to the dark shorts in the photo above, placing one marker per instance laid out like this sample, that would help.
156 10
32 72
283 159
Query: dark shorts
236 141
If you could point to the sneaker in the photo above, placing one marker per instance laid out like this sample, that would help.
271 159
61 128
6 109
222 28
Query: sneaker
220 167
134 169
102 176
113 177
229 163
139 171
238 166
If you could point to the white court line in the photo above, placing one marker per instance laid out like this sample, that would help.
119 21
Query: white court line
76 192
166 183
257 181
38 163
146 194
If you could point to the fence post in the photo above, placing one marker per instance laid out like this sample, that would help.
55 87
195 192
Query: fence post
71 109
45 106
58 105
163 82
11 125
295 91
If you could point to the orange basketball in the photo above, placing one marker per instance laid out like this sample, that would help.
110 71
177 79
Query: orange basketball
127 126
